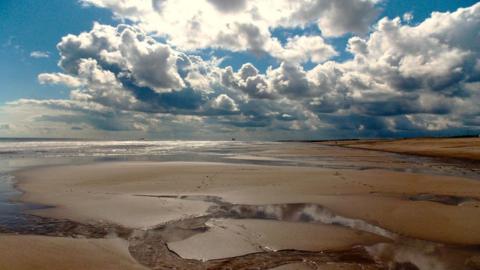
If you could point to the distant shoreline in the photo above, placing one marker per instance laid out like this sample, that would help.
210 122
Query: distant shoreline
459 148
20 139
383 139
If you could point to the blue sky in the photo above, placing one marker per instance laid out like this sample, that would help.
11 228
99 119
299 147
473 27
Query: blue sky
30 31
29 25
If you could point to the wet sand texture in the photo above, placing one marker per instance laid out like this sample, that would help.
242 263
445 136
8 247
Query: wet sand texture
110 192
253 235
58 253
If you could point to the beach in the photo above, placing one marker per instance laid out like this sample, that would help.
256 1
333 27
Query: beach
240 135
275 206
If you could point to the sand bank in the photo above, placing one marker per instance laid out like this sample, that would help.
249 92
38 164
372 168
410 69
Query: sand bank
464 148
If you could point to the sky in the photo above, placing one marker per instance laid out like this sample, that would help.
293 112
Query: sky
245 69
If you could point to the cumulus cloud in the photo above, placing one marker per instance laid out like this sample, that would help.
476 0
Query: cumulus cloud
123 48
300 49
229 6
244 36
249 81
59 78
418 72
153 64
240 25
402 79
224 103
123 66
337 17
289 80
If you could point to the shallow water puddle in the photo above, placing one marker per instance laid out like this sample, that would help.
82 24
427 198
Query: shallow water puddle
398 253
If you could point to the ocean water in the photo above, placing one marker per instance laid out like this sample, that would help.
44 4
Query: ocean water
16 148
20 153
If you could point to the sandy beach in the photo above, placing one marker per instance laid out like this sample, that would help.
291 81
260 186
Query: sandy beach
206 215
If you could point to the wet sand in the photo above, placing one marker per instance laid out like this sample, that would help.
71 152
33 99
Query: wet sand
123 193
233 238
330 266
59 253
194 215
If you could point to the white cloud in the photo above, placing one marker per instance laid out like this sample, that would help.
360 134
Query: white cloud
289 80
151 63
39 54
300 49
248 81
400 74
407 17
229 6
336 17
241 25
224 103
59 78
